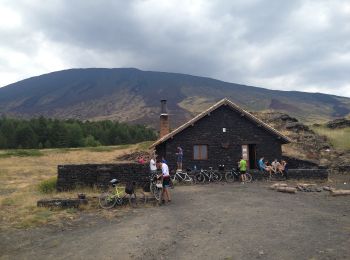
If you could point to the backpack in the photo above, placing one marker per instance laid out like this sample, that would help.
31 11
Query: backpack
129 188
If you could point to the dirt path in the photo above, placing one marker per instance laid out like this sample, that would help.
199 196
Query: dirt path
230 221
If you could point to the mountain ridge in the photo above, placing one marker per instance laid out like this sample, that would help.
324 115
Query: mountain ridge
132 95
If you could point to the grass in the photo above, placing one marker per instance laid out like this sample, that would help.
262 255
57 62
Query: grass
20 153
26 177
339 138
48 186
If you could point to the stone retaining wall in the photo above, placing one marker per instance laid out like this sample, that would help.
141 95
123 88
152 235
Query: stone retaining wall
297 174
71 176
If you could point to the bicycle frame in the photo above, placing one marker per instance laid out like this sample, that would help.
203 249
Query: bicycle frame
185 178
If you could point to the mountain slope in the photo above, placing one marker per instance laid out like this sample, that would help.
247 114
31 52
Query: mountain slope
133 95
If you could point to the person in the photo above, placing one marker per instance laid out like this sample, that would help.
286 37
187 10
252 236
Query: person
163 160
243 169
166 181
275 165
153 165
141 160
179 158
284 169
262 165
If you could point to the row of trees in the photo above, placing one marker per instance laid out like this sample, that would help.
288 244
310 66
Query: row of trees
53 133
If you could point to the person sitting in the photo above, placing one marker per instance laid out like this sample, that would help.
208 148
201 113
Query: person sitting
269 168
262 165
276 166
283 168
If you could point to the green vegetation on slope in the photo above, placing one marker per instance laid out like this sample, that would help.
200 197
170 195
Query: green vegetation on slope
339 138
48 133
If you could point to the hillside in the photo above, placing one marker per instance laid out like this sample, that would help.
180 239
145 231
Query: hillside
133 95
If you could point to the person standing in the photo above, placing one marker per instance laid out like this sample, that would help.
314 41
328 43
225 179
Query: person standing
243 169
179 158
166 181
153 165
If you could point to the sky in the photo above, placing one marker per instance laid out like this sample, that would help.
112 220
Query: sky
285 45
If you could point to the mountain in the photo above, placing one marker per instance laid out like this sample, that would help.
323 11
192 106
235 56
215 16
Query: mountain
132 95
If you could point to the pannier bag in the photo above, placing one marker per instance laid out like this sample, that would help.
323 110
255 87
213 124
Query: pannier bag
129 188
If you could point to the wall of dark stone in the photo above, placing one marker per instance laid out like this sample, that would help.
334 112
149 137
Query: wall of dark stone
72 176
208 131
296 174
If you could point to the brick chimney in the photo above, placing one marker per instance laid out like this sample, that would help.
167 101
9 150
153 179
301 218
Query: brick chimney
164 120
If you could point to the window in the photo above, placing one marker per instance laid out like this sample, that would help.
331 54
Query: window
200 152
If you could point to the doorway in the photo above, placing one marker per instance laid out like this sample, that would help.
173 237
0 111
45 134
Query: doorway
252 156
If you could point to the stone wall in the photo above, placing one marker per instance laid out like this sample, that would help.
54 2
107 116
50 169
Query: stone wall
297 174
71 176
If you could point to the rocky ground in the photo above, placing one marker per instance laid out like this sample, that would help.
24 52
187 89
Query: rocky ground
217 221
308 145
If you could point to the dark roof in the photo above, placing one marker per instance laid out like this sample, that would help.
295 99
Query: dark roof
223 102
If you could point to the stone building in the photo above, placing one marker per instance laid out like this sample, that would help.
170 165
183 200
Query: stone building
222 134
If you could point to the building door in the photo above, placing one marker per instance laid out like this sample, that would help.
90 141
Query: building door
245 153
252 156
249 154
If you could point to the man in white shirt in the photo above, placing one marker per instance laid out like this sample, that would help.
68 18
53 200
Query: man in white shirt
166 181
153 165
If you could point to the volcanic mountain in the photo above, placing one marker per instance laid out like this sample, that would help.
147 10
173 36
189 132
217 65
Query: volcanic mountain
132 95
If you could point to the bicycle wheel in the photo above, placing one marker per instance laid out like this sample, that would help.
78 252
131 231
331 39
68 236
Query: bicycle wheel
229 177
248 177
157 192
107 200
217 176
120 194
199 177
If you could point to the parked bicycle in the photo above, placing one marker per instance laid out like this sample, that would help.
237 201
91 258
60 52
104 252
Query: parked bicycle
181 176
156 186
207 176
234 174
116 195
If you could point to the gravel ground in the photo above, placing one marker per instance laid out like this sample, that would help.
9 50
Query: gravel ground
216 221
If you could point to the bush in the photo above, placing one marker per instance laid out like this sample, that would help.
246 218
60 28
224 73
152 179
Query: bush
48 186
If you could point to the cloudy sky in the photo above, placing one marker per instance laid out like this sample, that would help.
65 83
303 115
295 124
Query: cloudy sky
287 45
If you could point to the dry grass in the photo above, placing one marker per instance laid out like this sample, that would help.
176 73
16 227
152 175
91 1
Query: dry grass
339 138
20 177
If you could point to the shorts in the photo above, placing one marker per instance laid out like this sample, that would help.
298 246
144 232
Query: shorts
166 182
179 158
242 172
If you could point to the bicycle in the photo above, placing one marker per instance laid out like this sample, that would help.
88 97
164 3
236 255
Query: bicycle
181 176
209 176
230 176
156 187
116 195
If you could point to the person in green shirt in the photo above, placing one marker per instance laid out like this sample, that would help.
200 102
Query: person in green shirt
243 169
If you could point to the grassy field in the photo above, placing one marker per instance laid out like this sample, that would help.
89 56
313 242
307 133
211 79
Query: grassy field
340 138
23 171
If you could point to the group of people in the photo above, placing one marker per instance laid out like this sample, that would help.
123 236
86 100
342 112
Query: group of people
274 167
163 166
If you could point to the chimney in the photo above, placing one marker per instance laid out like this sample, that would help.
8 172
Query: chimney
164 120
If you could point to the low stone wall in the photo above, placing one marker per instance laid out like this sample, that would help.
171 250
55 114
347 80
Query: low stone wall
72 176
297 174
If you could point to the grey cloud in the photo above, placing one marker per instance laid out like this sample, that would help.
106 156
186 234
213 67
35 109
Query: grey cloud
237 41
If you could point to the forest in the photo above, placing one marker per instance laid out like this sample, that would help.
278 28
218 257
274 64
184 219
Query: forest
44 132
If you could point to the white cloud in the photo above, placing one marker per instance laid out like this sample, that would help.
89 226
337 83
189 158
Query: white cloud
287 45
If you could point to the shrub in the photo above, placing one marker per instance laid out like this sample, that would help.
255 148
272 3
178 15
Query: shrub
48 186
